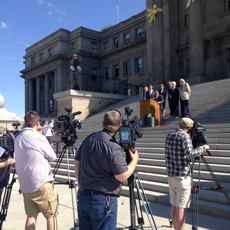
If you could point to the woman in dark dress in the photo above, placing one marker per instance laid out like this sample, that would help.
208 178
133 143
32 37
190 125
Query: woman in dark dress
173 99
163 94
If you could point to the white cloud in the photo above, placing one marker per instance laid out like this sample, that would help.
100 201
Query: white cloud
51 8
3 25
40 2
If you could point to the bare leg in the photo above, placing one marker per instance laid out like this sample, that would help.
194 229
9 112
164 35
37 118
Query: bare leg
180 213
173 215
30 223
51 223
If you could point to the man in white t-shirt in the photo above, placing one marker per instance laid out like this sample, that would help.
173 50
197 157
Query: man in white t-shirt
33 153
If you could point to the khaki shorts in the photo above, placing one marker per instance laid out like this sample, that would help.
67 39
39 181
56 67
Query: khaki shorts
44 200
180 191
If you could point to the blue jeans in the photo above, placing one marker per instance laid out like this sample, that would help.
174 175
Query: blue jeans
97 211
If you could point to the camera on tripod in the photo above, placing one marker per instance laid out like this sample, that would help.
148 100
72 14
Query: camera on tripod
7 142
66 127
198 135
129 131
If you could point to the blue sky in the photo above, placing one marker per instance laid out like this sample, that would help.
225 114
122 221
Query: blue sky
24 22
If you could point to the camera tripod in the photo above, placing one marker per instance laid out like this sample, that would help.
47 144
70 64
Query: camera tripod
136 212
68 151
196 190
6 200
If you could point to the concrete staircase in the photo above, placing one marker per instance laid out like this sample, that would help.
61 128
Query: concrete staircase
210 106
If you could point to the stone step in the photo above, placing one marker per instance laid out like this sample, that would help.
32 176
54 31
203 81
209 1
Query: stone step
163 178
212 159
205 207
211 140
163 135
140 144
220 164
218 153
215 167
212 196
214 153
211 128
204 175
157 170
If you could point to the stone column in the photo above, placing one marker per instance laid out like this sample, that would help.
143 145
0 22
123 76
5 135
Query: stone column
196 42
46 89
166 46
155 44
38 94
58 79
30 95
27 96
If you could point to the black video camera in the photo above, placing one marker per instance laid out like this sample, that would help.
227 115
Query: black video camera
129 131
7 142
65 126
198 135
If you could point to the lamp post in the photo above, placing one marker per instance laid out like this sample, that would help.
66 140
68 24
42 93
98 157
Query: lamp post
75 68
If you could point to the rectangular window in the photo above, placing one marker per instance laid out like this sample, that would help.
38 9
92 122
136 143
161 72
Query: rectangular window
105 44
106 73
126 68
41 57
186 21
139 32
218 47
116 42
207 49
139 65
227 5
32 60
228 54
93 44
94 74
127 38
50 51
116 71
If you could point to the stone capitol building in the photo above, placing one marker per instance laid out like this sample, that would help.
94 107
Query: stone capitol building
190 42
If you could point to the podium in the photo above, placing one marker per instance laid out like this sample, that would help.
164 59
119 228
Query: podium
152 107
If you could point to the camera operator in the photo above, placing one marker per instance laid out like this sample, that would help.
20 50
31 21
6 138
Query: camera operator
101 167
33 153
179 153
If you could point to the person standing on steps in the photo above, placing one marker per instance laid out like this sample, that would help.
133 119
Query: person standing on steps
179 153
185 94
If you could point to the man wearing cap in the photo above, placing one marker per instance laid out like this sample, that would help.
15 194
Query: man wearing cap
179 152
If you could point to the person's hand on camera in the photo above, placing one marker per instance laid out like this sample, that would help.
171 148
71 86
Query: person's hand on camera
10 161
205 149
134 154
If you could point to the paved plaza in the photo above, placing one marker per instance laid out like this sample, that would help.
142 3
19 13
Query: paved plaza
16 216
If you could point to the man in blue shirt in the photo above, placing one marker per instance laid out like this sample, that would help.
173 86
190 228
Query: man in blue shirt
101 167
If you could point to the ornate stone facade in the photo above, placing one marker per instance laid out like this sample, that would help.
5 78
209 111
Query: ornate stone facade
191 42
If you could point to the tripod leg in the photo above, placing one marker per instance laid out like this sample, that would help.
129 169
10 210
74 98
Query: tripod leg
60 158
140 218
146 204
6 201
72 187
132 203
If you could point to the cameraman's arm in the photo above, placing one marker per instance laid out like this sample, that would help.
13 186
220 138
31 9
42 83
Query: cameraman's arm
131 167
191 152
6 163
46 149
77 165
